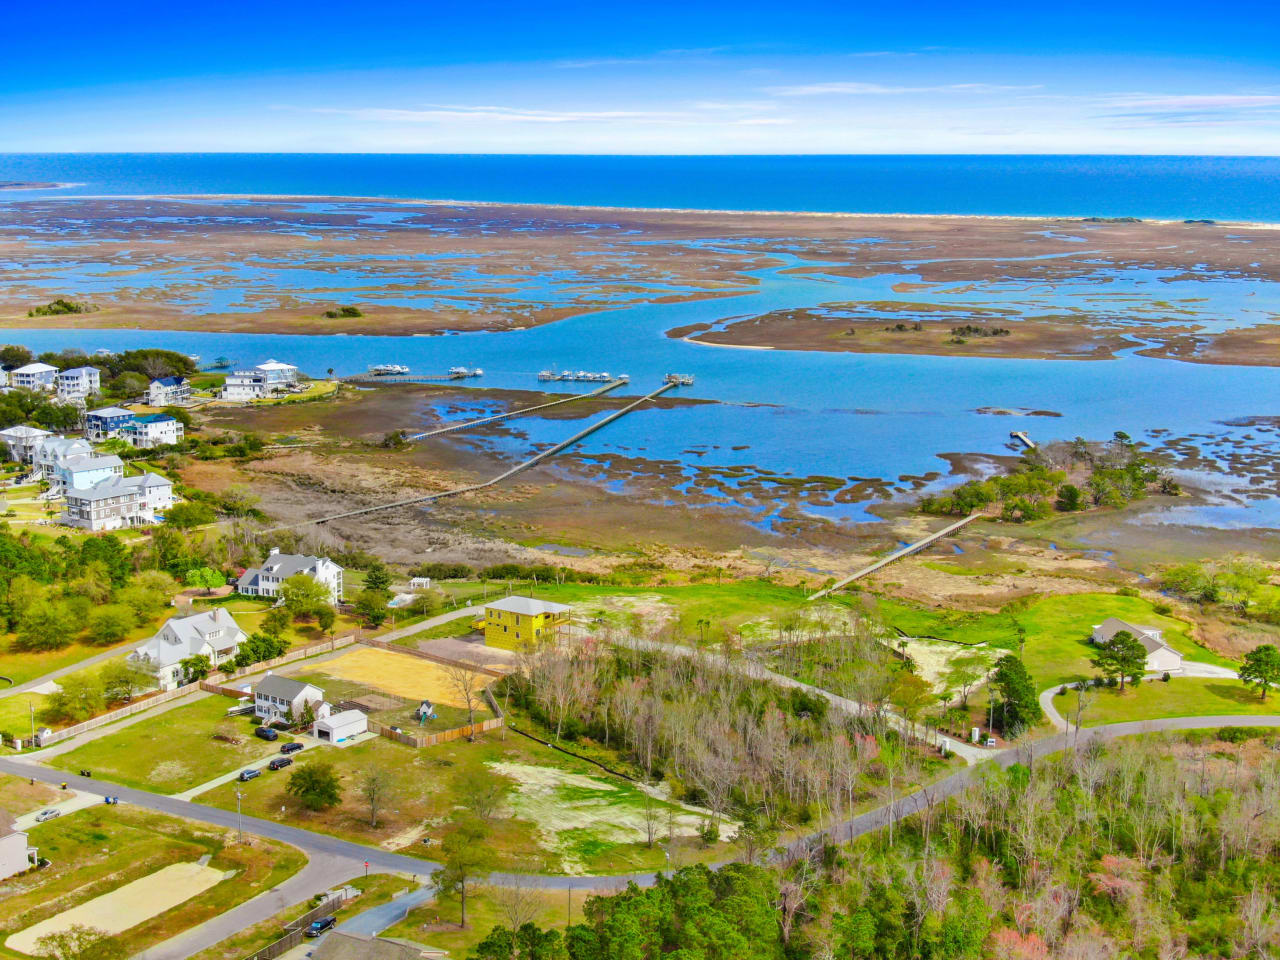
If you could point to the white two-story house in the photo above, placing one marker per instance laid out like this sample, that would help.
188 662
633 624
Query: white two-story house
153 430
265 581
213 634
281 698
22 441
261 381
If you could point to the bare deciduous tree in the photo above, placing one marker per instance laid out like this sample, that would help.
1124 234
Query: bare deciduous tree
468 685
375 785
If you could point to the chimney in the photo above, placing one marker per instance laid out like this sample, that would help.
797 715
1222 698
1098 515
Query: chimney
274 551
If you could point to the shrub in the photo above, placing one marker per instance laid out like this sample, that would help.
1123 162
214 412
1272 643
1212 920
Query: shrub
1165 676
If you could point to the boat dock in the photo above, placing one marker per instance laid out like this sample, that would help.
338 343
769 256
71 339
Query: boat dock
505 475
581 376
468 424
1019 435
455 373
896 555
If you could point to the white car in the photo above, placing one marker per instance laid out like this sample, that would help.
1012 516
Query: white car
49 814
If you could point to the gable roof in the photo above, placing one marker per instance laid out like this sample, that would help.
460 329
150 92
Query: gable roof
275 365
1151 638
36 368
155 418
23 432
119 486
182 637
77 371
285 565
286 688
169 381
527 606
87 461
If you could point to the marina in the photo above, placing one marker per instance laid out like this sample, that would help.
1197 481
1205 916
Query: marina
581 376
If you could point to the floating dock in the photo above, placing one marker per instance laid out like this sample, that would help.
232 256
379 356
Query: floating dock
455 373
679 379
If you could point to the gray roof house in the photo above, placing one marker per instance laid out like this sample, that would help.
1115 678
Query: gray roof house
117 502
276 697
214 634
1160 656
265 581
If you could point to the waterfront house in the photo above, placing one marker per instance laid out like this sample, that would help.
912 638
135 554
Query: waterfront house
265 581
79 382
34 376
106 422
280 698
118 502
22 441
169 392
213 634
516 622
260 381
153 430
16 855
1161 658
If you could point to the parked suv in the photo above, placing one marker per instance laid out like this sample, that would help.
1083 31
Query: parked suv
247 775
292 747
266 733
279 762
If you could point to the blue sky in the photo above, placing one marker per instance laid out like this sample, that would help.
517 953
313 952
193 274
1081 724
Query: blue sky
659 77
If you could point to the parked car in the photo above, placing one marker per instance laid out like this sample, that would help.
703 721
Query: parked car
320 926
247 775
279 762
292 747
266 733
48 814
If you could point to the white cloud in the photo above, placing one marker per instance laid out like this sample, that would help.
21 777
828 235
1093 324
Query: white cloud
1193 101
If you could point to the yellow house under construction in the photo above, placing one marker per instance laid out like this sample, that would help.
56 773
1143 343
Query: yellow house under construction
516 622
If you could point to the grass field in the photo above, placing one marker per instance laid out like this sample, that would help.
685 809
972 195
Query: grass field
249 612
398 674
484 912
172 751
337 689
18 796
546 821
1057 629
99 849
1180 697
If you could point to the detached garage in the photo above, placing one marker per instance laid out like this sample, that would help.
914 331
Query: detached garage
340 726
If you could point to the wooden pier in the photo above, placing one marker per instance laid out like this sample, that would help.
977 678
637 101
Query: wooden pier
1019 435
468 424
896 555
403 377
505 475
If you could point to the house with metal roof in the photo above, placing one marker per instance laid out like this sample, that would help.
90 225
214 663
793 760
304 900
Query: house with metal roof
265 581
22 441
79 382
34 376
213 634
153 430
513 623
82 471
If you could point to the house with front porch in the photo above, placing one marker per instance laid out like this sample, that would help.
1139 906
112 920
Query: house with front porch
265 581
277 698
213 634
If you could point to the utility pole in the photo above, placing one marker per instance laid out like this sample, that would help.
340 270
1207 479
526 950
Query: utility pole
239 819
31 704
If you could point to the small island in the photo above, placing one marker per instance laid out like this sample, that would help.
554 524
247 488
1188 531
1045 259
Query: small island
28 185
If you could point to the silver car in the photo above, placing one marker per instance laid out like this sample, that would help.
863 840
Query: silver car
49 814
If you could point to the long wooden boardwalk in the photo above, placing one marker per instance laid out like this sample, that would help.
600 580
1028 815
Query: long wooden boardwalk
468 424
897 555
505 475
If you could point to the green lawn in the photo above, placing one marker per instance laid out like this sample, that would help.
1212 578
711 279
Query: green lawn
337 690
172 751
96 850
19 796
1180 697
249 613
563 826
1057 629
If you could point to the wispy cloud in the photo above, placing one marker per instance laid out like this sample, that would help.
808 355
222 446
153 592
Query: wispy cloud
1194 101
858 88
1189 109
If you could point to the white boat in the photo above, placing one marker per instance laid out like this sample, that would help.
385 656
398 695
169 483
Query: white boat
388 369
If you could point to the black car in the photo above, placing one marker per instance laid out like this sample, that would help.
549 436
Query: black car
247 775
266 733
279 762
320 926
292 747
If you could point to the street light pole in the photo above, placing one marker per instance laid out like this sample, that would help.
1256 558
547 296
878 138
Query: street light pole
239 819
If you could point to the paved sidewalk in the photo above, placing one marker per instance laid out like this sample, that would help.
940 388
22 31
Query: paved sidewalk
97 658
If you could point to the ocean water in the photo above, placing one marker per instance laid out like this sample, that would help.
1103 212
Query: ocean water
1220 188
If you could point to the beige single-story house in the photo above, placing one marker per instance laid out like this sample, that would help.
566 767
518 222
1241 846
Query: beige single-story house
1161 658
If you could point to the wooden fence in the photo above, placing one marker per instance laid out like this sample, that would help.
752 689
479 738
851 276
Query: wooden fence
297 929
215 683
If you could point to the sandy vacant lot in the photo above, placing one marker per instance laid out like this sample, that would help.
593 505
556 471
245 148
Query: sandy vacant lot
397 674
126 906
